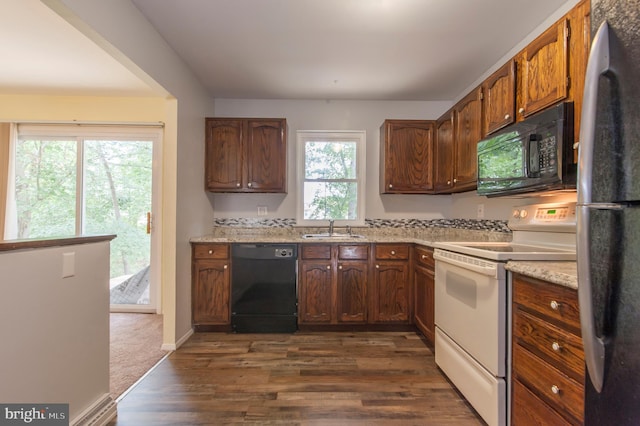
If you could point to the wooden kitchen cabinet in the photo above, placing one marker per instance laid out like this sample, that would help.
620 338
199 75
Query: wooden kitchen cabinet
468 132
246 155
333 282
544 70
499 91
444 152
548 359
406 157
211 284
391 293
424 291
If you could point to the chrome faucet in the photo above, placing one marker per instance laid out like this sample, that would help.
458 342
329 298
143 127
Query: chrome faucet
331 227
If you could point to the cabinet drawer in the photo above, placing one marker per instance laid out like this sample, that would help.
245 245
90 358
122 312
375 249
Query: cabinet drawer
392 251
562 349
541 378
315 251
528 409
550 300
357 252
211 251
424 257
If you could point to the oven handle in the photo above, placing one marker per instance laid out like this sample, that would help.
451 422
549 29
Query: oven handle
480 266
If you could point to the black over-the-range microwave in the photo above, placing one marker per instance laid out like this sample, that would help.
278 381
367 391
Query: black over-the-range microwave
533 155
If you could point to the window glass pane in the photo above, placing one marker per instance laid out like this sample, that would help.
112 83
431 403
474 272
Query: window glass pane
330 200
117 197
330 160
45 185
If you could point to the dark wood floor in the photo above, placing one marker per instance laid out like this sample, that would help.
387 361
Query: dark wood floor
363 378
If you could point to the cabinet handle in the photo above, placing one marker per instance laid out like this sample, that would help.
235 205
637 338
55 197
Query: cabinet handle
238 185
507 116
555 389
521 110
210 251
249 184
556 346
554 305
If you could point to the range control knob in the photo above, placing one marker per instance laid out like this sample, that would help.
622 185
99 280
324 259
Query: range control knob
516 213
523 214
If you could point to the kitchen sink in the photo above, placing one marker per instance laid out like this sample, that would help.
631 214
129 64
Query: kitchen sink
331 236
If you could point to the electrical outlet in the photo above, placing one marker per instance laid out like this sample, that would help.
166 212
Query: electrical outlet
262 210
480 211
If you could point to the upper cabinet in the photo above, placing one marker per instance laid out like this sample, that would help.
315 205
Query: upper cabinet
444 152
246 155
468 132
499 91
406 157
544 69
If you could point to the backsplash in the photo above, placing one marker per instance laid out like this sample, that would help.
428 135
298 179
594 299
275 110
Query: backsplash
470 224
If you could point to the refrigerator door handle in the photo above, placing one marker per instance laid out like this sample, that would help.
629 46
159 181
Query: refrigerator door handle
599 63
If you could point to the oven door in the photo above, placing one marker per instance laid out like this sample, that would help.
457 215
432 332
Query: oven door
470 307
502 162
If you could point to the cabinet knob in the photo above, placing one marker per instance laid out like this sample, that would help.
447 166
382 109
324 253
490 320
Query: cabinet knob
377 266
556 346
554 305
448 182
555 389
328 266
390 186
339 266
238 185
507 116
226 266
210 251
455 180
393 252
521 110
249 184
424 256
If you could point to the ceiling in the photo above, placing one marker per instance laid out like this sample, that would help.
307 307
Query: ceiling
281 49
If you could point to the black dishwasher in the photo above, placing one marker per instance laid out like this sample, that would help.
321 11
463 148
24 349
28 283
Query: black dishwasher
263 288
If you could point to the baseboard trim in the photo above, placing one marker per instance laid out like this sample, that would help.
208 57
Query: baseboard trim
100 413
173 347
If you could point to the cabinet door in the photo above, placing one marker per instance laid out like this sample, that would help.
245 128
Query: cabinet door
223 154
352 291
407 156
424 285
444 153
266 156
211 292
391 291
468 134
315 292
545 71
499 91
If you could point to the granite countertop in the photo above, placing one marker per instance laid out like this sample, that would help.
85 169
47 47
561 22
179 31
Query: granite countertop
562 273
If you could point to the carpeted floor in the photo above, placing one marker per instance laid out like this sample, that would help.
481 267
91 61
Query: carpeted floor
136 340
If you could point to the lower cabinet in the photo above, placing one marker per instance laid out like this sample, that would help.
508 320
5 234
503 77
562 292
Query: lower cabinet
333 283
548 359
391 286
423 291
211 285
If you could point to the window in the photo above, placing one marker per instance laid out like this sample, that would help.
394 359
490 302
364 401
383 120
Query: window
332 167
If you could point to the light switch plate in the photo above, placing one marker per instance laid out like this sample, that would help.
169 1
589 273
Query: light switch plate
480 211
262 210
68 264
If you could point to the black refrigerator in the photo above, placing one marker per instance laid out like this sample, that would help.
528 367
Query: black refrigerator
608 215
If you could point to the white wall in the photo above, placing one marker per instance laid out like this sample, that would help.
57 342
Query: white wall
333 115
55 331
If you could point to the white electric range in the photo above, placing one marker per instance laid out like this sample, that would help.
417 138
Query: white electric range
472 302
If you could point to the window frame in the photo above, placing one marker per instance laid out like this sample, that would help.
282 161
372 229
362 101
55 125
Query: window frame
357 136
